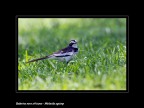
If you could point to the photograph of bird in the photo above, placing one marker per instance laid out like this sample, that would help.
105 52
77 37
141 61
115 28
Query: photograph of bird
65 54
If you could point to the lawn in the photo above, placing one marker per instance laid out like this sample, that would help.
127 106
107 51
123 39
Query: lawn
99 65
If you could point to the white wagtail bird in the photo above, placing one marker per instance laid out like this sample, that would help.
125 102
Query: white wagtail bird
65 54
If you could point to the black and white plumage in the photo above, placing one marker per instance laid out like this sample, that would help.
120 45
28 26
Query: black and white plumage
65 54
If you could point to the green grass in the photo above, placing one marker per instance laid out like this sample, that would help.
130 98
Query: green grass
99 65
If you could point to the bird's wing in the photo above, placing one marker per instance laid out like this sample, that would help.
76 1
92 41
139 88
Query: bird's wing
68 51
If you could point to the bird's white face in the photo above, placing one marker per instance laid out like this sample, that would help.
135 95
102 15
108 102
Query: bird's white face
74 43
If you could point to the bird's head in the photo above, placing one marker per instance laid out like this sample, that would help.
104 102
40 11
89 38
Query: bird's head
73 43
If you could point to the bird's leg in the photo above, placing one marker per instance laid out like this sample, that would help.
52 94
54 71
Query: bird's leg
67 62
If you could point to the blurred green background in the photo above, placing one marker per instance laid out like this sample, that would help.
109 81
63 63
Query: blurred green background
99 65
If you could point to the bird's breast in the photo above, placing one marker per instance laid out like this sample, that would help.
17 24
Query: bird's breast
75 49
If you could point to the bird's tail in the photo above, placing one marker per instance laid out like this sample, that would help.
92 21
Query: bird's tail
39 59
